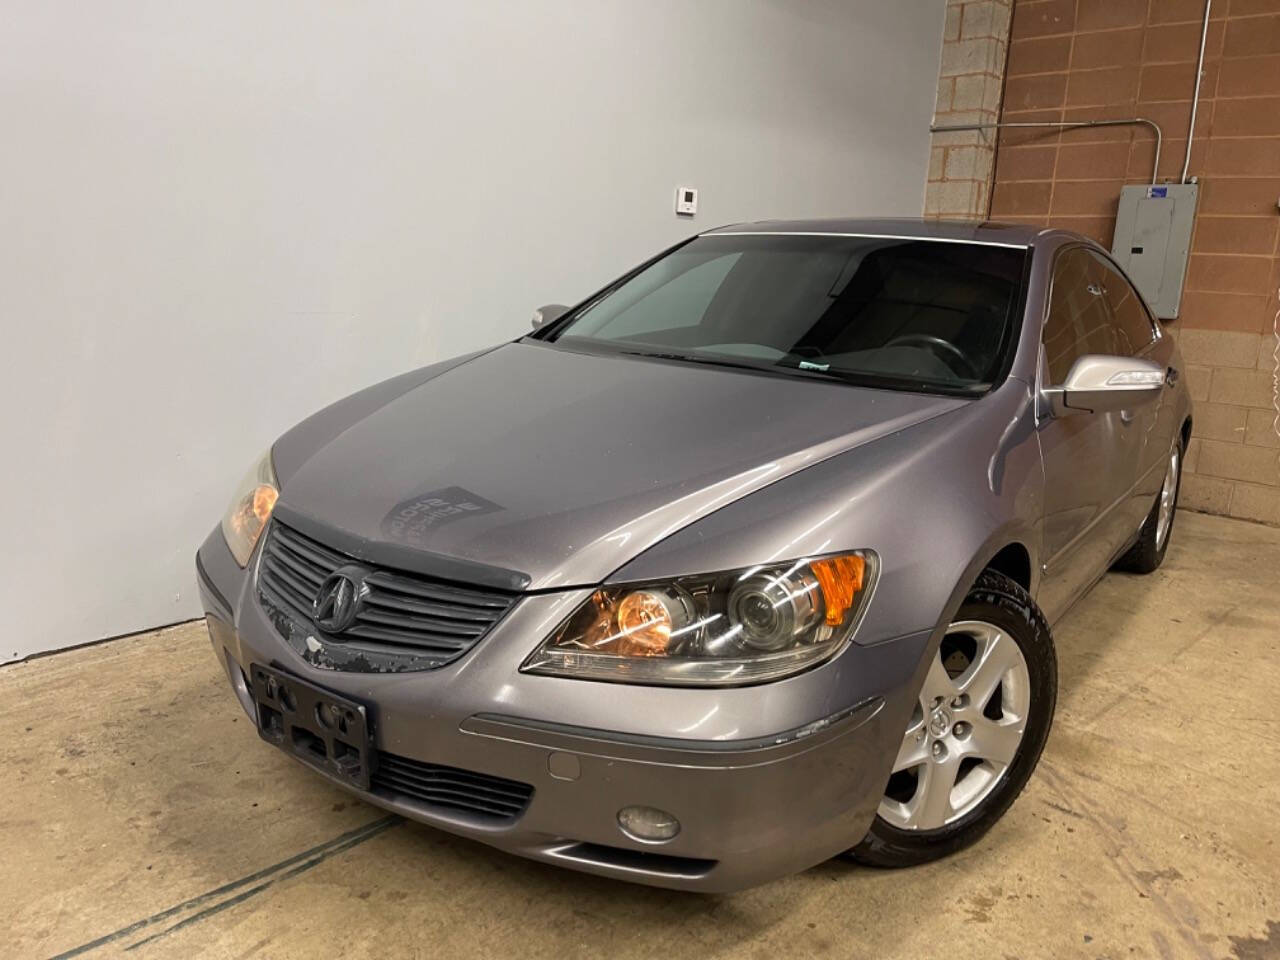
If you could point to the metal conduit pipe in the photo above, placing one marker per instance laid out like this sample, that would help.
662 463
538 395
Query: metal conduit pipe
1195 99
1062 125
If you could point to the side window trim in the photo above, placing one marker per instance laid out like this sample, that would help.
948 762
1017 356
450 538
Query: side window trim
1042 367
1042 364
1105 258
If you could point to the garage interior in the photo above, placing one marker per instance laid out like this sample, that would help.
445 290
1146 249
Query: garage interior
204 191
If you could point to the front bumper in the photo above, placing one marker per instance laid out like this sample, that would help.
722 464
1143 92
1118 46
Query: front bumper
765 781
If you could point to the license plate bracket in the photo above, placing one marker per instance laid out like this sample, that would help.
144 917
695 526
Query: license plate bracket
322 729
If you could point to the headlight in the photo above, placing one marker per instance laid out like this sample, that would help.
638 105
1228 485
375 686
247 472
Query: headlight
745 626
250 509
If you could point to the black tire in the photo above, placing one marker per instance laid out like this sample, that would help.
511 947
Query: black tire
997 600
1145 556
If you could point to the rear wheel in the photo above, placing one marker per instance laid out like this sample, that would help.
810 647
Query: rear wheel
976 733
1153 539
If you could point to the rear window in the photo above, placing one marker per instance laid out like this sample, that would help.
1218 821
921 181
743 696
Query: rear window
910 314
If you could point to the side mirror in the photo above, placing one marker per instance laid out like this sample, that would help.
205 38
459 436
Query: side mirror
544 315
1100 384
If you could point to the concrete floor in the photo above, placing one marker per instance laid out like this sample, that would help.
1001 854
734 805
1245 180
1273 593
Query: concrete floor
141 813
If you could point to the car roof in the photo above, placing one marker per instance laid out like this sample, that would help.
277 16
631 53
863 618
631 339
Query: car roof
984 231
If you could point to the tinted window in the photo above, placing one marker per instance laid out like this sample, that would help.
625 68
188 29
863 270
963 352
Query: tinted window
671 298
1078 322
1135 330
914 314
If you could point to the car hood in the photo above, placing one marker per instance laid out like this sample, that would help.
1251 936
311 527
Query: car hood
559 466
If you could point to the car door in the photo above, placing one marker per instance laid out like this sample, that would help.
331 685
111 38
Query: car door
1153 427
1090 459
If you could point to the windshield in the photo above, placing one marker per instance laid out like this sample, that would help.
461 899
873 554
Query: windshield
911 314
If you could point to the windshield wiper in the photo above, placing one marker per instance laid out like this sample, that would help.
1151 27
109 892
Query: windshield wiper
791 365
806 369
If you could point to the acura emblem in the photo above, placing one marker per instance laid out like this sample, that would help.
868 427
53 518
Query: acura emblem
338 599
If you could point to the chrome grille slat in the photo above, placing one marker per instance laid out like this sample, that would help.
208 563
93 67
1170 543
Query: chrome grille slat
318 554
443 611
285 599
431 624
416 640
298 570
465 596
299 565
402 615
300 586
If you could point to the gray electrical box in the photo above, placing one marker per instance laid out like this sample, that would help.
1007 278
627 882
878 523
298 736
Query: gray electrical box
1153 240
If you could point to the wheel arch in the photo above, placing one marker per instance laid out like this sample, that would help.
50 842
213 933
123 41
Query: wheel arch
1008 550
1014 561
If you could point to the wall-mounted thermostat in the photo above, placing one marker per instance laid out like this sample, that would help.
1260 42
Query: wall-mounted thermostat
686 201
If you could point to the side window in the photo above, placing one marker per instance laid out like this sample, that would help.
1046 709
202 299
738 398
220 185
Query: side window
1079 322
1134 329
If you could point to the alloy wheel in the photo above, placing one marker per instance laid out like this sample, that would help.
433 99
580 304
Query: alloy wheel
965 730
1168 499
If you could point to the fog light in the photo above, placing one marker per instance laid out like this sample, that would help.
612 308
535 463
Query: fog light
648 824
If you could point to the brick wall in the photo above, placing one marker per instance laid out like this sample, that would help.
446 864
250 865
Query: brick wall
974 44
1096 59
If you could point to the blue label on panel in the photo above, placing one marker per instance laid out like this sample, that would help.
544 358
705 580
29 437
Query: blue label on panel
1157 191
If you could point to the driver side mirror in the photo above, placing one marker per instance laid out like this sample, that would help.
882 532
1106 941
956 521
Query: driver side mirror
544 315
1100 384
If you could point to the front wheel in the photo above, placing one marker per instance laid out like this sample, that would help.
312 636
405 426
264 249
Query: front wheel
979 725
1153 539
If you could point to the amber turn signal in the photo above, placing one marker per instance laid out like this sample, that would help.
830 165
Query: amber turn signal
250 509
264 501
841 581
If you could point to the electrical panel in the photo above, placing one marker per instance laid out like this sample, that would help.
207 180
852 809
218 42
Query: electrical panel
1153 240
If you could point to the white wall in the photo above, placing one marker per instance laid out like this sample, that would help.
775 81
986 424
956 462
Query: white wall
217 217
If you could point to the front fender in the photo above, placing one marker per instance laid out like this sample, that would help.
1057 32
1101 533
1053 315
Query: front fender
935 501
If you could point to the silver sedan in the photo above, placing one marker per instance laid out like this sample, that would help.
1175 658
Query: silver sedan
746 561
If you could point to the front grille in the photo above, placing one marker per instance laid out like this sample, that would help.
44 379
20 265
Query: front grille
493 798
401 615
